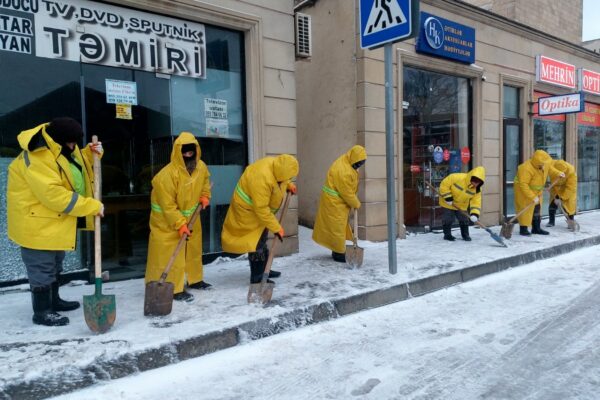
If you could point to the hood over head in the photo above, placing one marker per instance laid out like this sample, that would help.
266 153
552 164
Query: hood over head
285 167
477 172
356 153
540 158
184 138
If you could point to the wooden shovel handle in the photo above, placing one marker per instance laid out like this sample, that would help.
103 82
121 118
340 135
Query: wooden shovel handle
274 243
513 219
180 244
97 222
355 235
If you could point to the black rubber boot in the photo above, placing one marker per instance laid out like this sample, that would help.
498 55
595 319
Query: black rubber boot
464 232
551 217
448 233
59 304
183 296
536 228
200 285
41 300
339 257
523 231
274 274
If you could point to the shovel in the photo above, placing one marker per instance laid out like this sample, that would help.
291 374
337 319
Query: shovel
261 293
507 227
572 225
354 254
494 236
158 297
99 309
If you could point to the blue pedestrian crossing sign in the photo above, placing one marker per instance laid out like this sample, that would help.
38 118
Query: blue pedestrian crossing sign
384 21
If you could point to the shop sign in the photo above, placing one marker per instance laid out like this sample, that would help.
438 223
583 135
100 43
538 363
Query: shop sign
591 116
98 33
447 39
568 103
465 155
215 112
121 92
589 81
555 72
438 154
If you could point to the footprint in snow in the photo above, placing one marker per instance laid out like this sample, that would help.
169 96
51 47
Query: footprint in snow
366 387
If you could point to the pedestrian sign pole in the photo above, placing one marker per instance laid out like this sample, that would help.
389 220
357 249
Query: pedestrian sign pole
383 22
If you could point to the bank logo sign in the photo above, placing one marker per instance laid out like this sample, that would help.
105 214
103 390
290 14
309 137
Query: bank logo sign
96 33
444 38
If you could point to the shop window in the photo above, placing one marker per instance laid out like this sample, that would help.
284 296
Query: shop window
437 126
35 90
549 135
588 158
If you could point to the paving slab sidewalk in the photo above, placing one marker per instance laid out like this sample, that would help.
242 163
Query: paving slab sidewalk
39 362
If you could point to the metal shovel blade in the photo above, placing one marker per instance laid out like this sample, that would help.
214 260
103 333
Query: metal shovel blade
100 311
260 293
158 299
506 230
354 256
573 225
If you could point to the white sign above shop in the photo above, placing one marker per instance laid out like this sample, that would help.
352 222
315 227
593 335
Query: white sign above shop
568 103
97 33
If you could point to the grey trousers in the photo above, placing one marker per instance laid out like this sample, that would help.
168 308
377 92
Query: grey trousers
43 266
449 215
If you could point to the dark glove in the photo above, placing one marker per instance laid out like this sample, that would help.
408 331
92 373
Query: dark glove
280 234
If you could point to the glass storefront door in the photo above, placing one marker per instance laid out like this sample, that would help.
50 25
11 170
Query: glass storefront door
588 158
437 126
512 124
131 158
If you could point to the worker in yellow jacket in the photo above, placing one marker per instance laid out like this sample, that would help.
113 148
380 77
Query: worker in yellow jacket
49 196
529 188
251 214
177 190
460 191
564 192
338 196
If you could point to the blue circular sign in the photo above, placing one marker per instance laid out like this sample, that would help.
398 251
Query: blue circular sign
438 155
434 32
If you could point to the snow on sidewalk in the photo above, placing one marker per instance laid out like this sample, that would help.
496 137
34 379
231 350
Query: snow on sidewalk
308 278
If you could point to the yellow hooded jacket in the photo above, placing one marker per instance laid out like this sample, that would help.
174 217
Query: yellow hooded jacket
42 202
464 195
256 198
566 188
530 182
174 198
338 196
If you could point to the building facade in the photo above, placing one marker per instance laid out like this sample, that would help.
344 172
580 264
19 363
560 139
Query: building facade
137 73
466 91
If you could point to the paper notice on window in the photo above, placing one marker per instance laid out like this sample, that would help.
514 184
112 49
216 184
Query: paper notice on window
215 112
121 92
124 111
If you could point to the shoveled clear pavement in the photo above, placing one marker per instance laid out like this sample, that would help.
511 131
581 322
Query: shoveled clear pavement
38 362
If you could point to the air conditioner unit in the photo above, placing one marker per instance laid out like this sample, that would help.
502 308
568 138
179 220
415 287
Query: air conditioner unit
303 36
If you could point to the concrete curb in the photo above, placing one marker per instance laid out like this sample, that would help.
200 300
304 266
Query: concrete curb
105 369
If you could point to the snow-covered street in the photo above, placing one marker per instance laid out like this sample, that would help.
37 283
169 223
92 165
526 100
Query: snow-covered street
526 333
